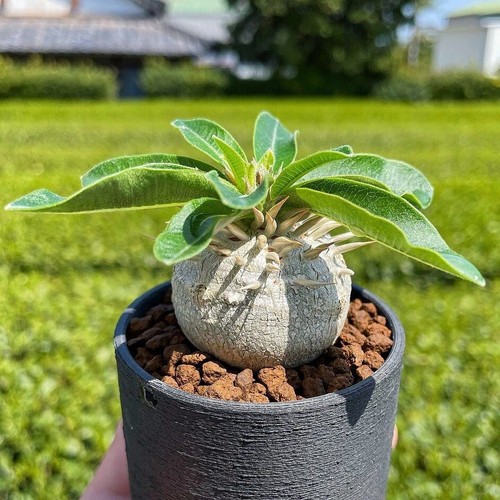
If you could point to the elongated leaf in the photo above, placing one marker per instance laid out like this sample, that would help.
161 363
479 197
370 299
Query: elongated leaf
189 231
231 197
269 133
299 168
139 187
115 165
235 162
386 218
200 133
398 177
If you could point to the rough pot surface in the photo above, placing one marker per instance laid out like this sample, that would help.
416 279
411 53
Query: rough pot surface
181 446
267 326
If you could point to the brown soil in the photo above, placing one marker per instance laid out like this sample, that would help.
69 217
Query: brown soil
159 346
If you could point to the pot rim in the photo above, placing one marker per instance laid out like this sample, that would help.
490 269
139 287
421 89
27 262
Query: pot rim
391 363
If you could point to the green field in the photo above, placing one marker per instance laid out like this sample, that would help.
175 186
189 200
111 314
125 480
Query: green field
65 281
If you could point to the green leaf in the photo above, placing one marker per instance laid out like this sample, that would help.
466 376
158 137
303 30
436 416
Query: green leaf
236 163
269 133
200 133
189 231
396 176
115 165
299 168
138 187
232 197
386 218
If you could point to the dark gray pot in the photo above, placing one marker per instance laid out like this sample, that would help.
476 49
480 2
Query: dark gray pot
181 446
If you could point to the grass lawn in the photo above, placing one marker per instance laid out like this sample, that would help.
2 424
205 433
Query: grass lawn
65 281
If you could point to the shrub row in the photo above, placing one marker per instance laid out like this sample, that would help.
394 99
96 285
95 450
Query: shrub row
158 78
452 85
161 79
51 81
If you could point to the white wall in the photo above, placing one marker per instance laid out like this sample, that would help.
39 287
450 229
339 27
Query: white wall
49 8
461 45
491 65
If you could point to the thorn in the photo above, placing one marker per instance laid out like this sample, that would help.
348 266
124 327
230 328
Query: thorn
238 232
306 226
220 251
287 224
272 267
342 237
261 241
224 232
313 253
273 211
282 241
350 246
271 226
286 250
346 270
216 242
324 228
240 261
255 285
273 256
259 218
307 282
148 237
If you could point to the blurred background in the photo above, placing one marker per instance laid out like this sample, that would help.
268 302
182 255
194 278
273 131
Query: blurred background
85 80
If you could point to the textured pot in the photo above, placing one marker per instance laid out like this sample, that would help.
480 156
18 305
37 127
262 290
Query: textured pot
182 446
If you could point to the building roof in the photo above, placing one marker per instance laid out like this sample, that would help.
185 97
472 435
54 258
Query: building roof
96 35
479 9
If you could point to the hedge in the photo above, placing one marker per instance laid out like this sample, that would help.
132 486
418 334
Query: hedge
37 80
163 79
451 85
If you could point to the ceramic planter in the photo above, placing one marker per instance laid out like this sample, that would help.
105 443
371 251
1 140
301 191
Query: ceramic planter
182 446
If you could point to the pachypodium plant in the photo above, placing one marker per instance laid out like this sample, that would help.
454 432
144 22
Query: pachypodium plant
259 276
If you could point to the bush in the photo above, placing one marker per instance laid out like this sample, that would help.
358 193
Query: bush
404 87
162 79
39 80
451 85
463 85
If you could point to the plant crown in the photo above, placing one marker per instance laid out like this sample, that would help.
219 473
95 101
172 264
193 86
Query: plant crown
375 198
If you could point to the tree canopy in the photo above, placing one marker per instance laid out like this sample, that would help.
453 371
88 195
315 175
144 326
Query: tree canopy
321 46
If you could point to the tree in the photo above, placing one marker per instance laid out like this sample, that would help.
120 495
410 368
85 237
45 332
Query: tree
321 46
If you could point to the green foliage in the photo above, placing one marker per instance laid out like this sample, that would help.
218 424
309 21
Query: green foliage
162 79
34 80
191 230
405 87
350 189
321 46
66 280
452 85
270 135
464 85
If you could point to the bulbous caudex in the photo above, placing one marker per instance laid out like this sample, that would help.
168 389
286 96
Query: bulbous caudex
263 302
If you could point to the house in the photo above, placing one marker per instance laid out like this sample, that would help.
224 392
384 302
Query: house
116 33
471 41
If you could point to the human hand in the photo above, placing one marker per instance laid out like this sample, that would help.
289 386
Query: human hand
111 481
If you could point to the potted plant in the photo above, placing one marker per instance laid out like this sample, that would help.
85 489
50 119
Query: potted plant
260 283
